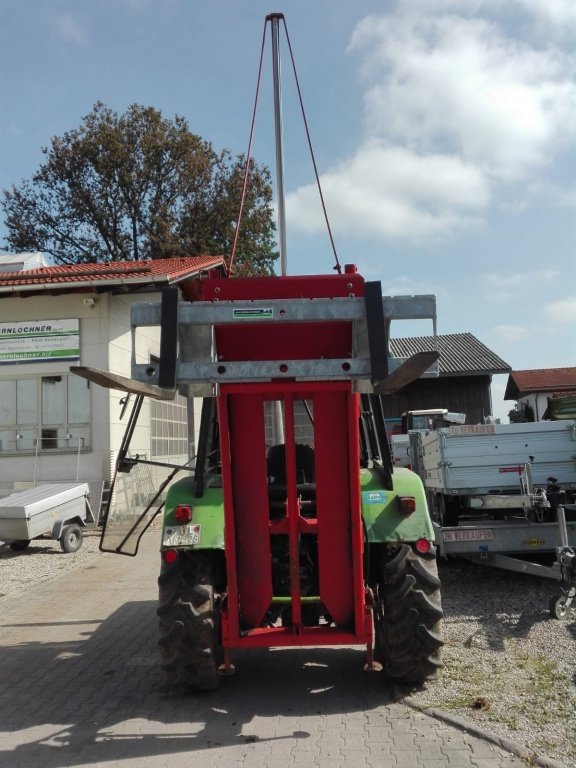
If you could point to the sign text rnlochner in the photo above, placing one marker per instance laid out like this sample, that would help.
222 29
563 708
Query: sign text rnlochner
32 341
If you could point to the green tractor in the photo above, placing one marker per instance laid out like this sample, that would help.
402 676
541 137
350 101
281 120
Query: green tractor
292 528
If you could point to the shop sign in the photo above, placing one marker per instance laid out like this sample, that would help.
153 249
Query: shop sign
35 341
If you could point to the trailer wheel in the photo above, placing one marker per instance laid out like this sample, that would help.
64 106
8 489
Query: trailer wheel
19 545
408 616
71 538
559 606
189 623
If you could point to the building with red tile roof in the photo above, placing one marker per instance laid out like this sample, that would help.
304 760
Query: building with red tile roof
532 389
55 426
115 276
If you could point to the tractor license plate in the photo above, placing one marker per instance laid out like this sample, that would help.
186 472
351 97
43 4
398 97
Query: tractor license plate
481 534
181 536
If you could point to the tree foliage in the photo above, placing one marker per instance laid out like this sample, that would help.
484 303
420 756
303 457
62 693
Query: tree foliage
138 186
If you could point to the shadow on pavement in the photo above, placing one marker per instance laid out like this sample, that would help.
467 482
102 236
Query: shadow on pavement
97 700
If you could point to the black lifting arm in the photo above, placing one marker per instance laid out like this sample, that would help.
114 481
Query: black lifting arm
168 338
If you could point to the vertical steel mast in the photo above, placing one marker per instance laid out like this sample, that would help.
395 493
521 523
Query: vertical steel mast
275 19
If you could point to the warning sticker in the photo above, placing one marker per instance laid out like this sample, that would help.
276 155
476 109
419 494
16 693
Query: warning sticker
181 536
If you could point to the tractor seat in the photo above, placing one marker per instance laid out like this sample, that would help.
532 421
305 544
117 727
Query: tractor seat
305 479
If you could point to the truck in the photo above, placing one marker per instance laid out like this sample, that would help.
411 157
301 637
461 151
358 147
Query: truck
494 489
274 539
421 420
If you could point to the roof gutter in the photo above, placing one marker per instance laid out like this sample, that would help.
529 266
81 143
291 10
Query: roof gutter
93 284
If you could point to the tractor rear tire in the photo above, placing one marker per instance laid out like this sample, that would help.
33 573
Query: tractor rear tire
189 626
408 617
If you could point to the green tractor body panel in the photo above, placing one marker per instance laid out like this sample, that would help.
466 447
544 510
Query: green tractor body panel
381 510
206 528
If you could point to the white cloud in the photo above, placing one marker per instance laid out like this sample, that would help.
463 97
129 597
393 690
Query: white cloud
557 15
534 278
455 108
70 30
562 311
394 192
461 81
504 286
511 333
404 285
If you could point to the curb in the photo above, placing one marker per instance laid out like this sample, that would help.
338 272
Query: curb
475 730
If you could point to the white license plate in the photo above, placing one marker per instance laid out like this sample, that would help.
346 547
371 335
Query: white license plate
481 534
181 536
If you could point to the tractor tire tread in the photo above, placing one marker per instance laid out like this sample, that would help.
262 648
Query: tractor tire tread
188 637
408 626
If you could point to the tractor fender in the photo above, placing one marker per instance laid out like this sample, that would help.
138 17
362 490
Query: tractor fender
381 511
205 530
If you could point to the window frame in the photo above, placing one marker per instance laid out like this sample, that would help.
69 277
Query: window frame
33 433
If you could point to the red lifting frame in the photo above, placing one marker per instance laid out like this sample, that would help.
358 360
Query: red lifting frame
338 522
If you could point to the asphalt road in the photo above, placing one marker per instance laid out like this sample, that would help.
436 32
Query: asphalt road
80 688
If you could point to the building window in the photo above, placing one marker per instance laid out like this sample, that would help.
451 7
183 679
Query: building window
45 414
169 427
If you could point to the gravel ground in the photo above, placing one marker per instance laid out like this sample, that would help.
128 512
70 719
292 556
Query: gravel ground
509 667
43 560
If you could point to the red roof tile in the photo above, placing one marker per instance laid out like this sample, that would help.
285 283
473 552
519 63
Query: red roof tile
540 380
126 272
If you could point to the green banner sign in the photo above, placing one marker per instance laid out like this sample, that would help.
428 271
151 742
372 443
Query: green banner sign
39 340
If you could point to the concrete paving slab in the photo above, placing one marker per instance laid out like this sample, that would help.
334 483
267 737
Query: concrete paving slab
80 688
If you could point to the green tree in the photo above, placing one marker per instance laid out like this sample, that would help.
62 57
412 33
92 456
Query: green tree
138 186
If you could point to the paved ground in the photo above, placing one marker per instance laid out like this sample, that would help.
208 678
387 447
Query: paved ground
79 688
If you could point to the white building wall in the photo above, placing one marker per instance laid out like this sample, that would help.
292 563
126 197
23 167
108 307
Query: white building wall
92 319
105 343
119 362
537 401
136 485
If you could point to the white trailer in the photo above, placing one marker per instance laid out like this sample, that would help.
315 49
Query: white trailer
490 458
58 510
490 489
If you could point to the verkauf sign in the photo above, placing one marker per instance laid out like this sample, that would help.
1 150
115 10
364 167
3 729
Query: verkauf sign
39 340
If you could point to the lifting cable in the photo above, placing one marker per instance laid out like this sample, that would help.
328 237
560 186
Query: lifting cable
248 155
337 266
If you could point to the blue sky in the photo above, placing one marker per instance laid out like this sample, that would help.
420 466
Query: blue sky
444 133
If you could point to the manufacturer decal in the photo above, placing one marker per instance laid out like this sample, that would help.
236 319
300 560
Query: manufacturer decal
257 313
533 542
373 497
181 535
519 470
